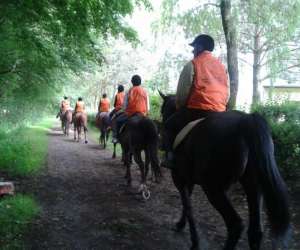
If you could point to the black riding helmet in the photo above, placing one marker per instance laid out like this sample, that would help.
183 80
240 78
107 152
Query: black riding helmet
204 40
136 80
120 88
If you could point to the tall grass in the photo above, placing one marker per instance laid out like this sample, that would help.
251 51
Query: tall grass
15 215
23 150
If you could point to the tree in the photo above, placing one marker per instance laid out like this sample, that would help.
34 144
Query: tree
267 29
42 41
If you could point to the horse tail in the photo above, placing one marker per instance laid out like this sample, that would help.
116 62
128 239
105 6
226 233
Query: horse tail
259 140
151 138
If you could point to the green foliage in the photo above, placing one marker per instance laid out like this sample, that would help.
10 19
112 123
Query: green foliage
42 42
23 150
284 120
155 105
15 215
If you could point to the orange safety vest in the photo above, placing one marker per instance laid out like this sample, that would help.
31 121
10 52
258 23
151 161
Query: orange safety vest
119 100
104 105
65 105
137 101
79 106
210 86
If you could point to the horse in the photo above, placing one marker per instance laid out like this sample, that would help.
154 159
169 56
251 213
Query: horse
103 122
223 149
66 120
80 121
137 135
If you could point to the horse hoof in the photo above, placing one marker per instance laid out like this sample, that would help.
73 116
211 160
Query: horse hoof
86 142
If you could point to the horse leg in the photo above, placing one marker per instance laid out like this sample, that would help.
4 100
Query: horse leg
79 133
104 139
180 225
233 222
188 213
138 159
254 199
85 131
75 131
147 162
128 165
114 153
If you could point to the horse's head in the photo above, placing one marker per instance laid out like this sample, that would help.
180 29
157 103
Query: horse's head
168 107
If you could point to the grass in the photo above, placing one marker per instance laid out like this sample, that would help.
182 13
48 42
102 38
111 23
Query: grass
23 150
15 215
22 153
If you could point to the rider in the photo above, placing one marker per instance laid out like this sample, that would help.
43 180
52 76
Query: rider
136 102
202 90
104 104
64 106
79 107
119 100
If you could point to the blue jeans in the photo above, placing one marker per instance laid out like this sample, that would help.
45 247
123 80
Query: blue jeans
119 122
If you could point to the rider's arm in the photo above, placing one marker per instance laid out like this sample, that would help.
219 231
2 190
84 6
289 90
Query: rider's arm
125 103
185 83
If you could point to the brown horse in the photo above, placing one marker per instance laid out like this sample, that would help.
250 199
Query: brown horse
103 122
66 120
80 121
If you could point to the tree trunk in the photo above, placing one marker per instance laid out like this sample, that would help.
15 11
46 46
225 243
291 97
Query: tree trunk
256 68
232 52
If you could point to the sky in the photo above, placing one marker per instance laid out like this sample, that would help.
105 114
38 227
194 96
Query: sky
141 21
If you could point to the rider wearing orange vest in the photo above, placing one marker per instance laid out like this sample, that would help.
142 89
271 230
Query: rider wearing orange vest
119 98
119 101
202 90
65 105
79 107
136 103
104 104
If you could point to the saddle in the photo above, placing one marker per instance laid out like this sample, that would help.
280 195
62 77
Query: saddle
185 131
132 119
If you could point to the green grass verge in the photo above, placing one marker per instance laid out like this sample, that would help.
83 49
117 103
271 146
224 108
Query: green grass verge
15 215
23 150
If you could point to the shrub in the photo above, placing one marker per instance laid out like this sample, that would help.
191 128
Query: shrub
15 215
155 105
284 120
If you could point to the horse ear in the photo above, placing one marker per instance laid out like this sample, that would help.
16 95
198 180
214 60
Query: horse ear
161 94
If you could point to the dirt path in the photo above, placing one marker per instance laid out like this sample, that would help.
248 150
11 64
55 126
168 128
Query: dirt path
86 205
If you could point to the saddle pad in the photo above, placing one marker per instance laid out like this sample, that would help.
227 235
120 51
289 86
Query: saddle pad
185 131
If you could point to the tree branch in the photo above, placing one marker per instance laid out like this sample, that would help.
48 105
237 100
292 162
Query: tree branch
243 60
287 68
212 4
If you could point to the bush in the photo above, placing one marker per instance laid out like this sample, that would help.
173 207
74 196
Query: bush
155 105
15 215
23 150
284 120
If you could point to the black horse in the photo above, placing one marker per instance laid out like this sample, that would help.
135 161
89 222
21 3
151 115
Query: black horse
225 148
140 134
103 122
